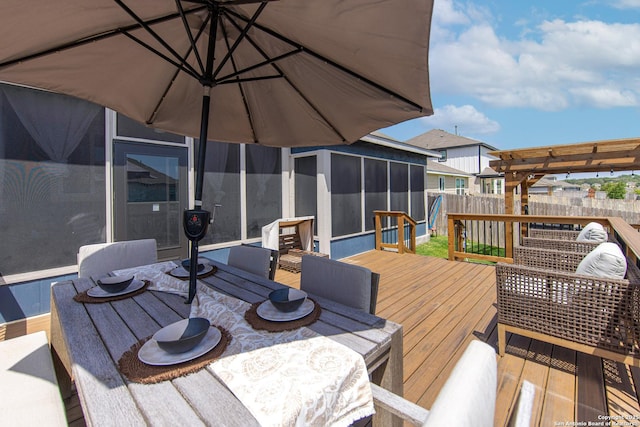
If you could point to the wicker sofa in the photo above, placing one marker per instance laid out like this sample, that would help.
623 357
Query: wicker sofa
540 296
543 233
559 244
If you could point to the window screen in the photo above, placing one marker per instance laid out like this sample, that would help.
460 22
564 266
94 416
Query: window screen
52 179
264 187
417 192
306 188
346 205
375 190
222 186
399 187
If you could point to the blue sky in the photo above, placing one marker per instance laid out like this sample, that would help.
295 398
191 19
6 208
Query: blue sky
520 74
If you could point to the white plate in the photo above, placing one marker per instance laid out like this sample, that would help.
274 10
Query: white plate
97 291
267 311
151 353
181 273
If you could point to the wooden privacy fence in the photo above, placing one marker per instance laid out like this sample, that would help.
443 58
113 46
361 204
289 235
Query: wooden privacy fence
555 205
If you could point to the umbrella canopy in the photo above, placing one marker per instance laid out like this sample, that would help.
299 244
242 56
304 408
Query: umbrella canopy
276 72
281 73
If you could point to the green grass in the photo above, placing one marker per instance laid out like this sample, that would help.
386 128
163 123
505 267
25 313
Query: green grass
438 247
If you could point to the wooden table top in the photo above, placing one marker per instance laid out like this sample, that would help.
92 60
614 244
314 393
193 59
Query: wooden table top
89 339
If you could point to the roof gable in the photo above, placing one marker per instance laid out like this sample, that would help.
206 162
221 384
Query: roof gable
437 139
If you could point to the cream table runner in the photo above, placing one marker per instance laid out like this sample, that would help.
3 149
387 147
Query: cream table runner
292 378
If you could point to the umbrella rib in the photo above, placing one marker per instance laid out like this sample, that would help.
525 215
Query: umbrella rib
153 34
240 88
179 65
330 62
187 30
268 61
243 34
91 39
151 118
298 91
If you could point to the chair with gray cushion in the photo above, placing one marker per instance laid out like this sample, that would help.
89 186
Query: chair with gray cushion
348 284
254 259
100 259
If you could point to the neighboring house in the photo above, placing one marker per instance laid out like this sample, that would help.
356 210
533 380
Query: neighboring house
550 185
73 173
465 154
444 179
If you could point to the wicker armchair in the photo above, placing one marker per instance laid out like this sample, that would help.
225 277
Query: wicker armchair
543 298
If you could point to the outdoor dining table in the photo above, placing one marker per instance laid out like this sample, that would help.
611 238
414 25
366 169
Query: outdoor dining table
89 339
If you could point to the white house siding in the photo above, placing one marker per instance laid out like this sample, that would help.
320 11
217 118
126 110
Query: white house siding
463 158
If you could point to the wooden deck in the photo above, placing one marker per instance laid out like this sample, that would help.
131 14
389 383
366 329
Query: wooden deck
442 305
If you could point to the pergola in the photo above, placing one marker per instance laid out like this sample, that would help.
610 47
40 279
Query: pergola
526 166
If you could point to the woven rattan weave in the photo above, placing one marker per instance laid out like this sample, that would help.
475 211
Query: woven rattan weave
541 297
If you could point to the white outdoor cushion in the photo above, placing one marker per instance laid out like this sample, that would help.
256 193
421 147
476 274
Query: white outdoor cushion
607 261
592 232
251 258
28 385
100 259
468 398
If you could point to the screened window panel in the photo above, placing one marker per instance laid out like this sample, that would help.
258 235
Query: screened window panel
375 190
222 187
399 187
417 192
346 206
52 179
264 187
306 188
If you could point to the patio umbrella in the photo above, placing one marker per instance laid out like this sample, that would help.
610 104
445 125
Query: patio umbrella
279 73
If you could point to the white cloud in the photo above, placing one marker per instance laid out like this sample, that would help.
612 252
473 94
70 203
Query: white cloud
626 4
466 119
559 64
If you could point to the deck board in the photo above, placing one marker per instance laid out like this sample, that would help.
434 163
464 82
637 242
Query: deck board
443 305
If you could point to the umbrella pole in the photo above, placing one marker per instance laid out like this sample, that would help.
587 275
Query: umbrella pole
196 221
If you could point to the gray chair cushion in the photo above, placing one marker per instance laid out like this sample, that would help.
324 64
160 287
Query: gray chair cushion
100 259
252 259
338 281
607 261
593 232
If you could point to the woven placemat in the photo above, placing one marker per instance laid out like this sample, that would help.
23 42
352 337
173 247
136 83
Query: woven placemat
257 322
200 276
84 298
137 371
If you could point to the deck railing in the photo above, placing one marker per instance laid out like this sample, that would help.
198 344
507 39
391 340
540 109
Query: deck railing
396 231
486 237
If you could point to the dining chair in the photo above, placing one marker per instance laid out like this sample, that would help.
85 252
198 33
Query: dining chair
254 259
99 259
348 284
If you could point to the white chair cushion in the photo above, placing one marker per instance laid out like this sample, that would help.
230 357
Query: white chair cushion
468 398
251 258
345 283
28 384
100 259
607 261
592 232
